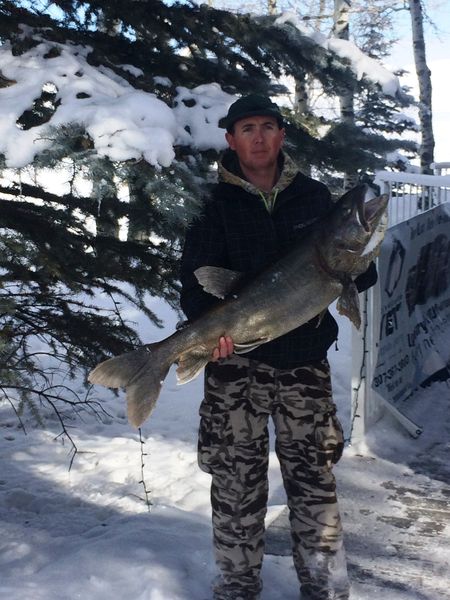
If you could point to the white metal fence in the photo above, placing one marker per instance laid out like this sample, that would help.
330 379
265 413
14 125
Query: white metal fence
441 168
410 194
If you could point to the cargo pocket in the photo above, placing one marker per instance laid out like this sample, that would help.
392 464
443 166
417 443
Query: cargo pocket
215 441
329 438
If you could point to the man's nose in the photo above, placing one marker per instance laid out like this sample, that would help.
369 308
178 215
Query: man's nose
258 135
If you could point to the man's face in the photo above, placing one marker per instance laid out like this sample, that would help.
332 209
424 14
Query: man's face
257 142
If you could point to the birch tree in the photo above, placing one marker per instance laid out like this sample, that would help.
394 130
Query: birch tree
425 91
341 30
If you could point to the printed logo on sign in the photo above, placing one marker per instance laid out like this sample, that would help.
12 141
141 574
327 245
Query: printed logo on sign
395 267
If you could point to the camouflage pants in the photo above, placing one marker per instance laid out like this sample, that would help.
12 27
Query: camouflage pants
240 395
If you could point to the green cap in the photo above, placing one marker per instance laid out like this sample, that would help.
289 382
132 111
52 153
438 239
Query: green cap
251 106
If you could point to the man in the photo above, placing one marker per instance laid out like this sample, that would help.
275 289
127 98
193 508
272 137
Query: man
260 207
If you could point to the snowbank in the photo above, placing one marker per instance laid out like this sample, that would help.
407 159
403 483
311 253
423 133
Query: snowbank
87 533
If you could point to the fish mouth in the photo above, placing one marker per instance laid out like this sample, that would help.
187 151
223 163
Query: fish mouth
370 212
370 217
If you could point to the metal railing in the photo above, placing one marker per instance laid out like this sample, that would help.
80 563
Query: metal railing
411 194
441 168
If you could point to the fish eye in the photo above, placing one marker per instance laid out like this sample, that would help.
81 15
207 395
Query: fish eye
347 211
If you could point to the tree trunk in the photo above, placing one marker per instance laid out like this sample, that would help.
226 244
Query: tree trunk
106 221
301 98
424 78
138 230
321 12
341 30
104 193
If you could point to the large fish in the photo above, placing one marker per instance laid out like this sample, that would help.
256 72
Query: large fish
297 288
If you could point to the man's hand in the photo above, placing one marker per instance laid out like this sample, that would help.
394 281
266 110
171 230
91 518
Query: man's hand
224 349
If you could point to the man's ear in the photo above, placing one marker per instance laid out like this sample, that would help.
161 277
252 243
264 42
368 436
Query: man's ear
230 140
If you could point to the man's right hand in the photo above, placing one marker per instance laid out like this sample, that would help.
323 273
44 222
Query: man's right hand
224 348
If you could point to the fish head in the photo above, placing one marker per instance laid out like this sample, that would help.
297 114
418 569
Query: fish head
351 237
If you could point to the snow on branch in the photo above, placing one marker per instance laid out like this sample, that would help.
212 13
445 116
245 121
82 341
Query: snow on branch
362 65
53 84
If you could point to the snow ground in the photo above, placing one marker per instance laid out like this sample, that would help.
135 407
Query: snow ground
87 533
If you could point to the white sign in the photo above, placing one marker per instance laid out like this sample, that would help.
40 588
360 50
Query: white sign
414 338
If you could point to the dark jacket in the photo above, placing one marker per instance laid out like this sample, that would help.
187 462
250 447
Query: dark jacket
243 230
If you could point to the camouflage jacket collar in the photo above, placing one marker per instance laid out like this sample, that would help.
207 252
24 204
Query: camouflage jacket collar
230 172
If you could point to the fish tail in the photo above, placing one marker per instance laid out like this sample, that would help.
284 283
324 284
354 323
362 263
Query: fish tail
141 373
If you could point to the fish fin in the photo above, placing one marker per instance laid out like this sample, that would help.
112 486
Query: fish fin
141 373
243 347
320 316
217 281
191 363
348 304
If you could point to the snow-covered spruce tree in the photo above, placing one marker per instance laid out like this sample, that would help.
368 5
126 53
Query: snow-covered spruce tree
125 96
158 48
